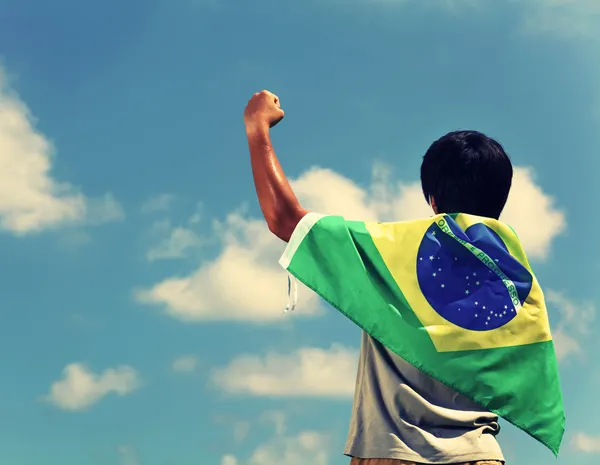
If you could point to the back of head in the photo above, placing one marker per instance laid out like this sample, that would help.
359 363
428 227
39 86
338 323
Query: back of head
467 172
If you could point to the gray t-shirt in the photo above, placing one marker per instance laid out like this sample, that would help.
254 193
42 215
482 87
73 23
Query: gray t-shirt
399 412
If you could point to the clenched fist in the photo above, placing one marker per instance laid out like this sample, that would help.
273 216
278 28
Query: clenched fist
263 111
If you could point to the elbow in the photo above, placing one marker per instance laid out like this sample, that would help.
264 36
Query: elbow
279 229
283 224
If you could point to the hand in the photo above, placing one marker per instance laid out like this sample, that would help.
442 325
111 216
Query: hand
263 111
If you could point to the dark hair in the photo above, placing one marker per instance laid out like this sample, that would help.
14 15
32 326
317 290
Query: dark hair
467 172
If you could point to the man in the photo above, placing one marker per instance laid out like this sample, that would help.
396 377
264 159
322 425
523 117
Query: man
400 415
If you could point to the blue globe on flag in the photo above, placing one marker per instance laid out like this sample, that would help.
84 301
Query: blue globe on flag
462 288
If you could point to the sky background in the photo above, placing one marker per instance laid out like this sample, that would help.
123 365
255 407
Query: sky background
141 302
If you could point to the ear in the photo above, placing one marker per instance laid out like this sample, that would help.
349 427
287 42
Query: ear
433 205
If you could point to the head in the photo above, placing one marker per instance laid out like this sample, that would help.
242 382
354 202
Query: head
466 172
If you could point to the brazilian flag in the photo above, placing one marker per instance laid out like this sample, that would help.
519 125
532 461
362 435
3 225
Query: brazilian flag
453 295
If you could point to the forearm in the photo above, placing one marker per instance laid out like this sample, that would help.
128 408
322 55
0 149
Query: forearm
278 203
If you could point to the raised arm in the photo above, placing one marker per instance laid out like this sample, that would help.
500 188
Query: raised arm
278 203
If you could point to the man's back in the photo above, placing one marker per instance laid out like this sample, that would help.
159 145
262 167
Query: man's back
401 413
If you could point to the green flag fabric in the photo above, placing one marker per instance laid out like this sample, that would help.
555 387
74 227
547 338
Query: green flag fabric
453 295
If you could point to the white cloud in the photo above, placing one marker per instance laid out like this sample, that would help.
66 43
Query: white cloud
277 418
245 283
229 460
247 264
569 19
562 18
176 244
586 443
31 200
305 447
159 203
80 388
576 319
103 210
532 213
173 242
185 364
127 455
566 18
197 215
240 430
564 343
307 372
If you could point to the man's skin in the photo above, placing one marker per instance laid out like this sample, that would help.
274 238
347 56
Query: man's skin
278 202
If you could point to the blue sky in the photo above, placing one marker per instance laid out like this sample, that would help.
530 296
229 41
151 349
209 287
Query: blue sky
141 304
